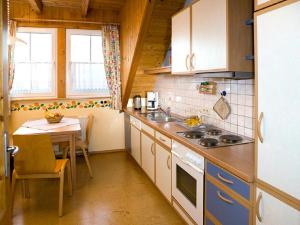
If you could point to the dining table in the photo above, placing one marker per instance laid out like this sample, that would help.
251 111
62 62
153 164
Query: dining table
65 131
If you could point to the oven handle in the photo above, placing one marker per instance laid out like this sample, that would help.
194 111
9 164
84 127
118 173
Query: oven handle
187 163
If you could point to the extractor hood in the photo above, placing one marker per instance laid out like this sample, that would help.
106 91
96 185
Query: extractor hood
228 75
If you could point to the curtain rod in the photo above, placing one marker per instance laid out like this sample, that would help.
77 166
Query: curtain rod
62 21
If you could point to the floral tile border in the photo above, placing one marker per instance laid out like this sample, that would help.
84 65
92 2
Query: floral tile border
60 105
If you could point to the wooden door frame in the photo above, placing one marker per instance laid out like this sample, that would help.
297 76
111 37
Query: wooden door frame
6 217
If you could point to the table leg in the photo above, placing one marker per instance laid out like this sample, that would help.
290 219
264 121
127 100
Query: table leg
73 159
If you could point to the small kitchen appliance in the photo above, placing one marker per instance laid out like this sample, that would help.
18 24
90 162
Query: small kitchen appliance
137 102
152 100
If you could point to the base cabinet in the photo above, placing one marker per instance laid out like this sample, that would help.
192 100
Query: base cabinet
163 170
148 155
136 144
271 211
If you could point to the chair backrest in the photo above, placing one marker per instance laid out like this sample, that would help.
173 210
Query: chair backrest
89 128
35 156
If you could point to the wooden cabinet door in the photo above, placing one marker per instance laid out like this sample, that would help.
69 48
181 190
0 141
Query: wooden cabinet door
209 35
136 144
271 211
181 41
148 155
163 171
277 77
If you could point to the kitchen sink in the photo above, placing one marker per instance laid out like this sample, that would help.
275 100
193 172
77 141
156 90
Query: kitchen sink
159 117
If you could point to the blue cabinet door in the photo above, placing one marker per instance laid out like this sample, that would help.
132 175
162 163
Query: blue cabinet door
224 208
208 221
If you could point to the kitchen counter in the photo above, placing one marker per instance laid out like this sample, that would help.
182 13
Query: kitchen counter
237 159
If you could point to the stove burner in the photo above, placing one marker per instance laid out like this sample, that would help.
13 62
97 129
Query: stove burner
214 132
208 142
230 139
193 134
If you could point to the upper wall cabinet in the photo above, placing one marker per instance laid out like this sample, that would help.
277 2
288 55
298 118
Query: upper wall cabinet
259 4
212 36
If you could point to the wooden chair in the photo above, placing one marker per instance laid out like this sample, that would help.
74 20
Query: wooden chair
36 160
82 144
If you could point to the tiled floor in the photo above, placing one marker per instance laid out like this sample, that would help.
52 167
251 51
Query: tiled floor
119 194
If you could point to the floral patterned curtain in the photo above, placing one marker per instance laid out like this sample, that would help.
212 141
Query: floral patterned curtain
111 52
11 49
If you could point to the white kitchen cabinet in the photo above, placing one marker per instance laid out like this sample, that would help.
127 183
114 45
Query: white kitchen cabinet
211 36
148 155
136 144
278 96
272 211
163 170
259 4
181 41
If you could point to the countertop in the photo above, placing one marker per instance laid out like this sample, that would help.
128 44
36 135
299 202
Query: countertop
237 159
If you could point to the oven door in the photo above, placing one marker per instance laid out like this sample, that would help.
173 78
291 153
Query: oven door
187 188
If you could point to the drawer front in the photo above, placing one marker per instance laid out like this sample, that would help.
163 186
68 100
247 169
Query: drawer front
226 213
134 121
208 221
229 180
148 129
164 139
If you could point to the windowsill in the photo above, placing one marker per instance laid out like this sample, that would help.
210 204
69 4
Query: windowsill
58 99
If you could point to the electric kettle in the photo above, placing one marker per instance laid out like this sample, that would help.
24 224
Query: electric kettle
137 102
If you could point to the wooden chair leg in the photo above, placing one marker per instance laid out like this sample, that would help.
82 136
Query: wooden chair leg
13 188
87 161
65 152
61 193
69 178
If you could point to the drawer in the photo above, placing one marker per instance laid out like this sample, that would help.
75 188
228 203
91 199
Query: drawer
147 129
208 221
164 139
229 180
134 121
224 208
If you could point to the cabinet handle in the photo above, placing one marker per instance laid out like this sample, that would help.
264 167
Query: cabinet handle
168 162
261 116
192 61
223 198
186 62
259 217
163 140
152 148
224 179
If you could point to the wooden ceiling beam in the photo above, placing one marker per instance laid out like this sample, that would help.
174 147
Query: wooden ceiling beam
85 7
36 5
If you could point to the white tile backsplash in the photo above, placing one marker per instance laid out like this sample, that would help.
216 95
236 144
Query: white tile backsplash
181 94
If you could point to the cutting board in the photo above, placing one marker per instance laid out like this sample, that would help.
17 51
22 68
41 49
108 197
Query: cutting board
222 108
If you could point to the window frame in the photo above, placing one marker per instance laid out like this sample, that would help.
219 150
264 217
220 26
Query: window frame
70 94
53 93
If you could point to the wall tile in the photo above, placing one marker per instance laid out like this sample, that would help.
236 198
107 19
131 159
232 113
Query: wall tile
181 94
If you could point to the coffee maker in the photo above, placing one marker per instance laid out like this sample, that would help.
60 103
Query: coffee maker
152 100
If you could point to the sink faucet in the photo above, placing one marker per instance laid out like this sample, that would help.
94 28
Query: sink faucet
167 111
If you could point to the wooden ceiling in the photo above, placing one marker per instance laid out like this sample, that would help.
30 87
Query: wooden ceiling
83 5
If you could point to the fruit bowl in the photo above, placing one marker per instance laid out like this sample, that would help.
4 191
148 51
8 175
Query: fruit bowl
53 117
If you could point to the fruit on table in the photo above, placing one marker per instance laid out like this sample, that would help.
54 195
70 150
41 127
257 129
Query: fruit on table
52 115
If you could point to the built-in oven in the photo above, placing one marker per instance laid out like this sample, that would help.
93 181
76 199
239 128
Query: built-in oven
188 180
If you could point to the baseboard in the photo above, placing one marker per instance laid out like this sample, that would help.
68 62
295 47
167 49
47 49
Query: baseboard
106 151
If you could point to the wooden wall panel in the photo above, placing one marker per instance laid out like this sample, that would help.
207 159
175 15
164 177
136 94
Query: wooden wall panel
23 12
155 46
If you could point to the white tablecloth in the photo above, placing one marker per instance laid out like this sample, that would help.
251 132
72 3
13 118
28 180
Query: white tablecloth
42 124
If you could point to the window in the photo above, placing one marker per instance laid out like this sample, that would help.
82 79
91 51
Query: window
35 63
85 64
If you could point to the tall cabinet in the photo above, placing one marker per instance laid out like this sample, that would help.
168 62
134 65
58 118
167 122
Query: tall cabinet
212 36
277 44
